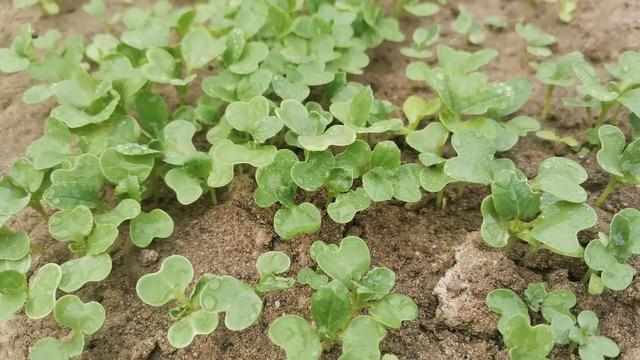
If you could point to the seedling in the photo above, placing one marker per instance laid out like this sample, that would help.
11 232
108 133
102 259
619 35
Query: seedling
567 7
547 212
49 6
620 161
344 287
538 42
421 40
418 8
608 255
556 74
197 314
495 22
465 25
536 342
550 135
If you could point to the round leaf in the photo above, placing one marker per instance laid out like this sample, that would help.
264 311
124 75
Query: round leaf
168 283
148 226
299 219
71 312
239 302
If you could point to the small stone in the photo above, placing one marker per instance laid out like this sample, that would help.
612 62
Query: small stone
148 257
277 304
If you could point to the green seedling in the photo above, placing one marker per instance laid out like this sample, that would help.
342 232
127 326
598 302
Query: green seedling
567 7
496 22
51 7
547 212
556 74
619 160
422 38
550 135
465 25
608 255
538 42
197 314
419 8
344 286
20 54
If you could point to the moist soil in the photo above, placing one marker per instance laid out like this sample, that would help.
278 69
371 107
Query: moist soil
438 257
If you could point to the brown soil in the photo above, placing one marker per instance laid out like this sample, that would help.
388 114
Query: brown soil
436 254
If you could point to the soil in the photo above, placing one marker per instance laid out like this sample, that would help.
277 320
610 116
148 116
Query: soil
437 254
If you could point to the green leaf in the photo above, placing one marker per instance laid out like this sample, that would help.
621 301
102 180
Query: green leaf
406 183
376 284
422 9
177 141
53 147
312 173
126 209
51 348
337 135
13 245
101 239
331 307
346 263
299 219
252 55
227 154
200 322
474 160
275 179
591 85
615 274
85 318
525 341
239 302
355 157
561 177
77 272
41 297
253 117
12 199
393 309
161 68
308 276
297 118
148 226
168 283
560 222
296 337
345 206
26 176
613 144
71 225
273 262
512 196
199 48
13 293
494 229
361 339
508 304
116 167
78 186
154 34
187 188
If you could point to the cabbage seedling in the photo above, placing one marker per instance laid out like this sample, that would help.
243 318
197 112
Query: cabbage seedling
419 8
344 286
422 38
620 161
550 135
465 25
538 42
51 7
556 74
547 212
608 255
197 314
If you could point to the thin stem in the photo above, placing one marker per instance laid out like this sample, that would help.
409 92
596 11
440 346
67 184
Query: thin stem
603 114
461 188
37 206
587 276
548 100
589 116
214 197
37 249
440 200
614 117
611 186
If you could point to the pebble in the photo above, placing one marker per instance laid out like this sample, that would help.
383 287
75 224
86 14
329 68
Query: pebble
148 257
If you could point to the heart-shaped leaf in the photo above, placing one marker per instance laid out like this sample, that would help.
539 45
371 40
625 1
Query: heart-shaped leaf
475 156
296 337
51 348
71 225
312 173
337 135
613 144
345 207
126 209
297 118
187 188
273 262
252 55
168 283
227 153
299 219
308 276
77 272
494 229
253 117
406 183
85 318
356 157
376 284
347 263
42 293
53 147
614 274
393 309
161 68
116 167
198 48
361 339
148 226
26 176
526 341
200 322
507 304
13 245
177 141
512 196
239 302
275 178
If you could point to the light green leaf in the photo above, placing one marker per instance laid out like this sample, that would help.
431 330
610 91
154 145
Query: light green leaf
53 349
53 147
227 154
312 173
26 176
148 226
126 209
13 245
252 55
337 135
346 263
168 283
71 225
525 341
561 177
161 68
475 156
507 304
298 339
239 302
199 48
393 309
78 186
77 272
361 339
331 307
85 318
187 188
345 206
41 297
13 293
253 117
200 322
273 262
299 219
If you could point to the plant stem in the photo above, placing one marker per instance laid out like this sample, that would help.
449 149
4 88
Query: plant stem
611 186
461 188
587 276
614 117
589 115
37 206
37 249
214 197
548 100
440 200
603 114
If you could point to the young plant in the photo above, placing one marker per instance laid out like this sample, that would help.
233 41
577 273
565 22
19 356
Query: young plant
418 8
550 135
526 342
556 74
344 287
465 25
197 314
538 42
547 212
567 7
421 40
620 161
51 7
608 255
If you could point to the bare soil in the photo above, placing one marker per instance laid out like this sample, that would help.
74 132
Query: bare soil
437 254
